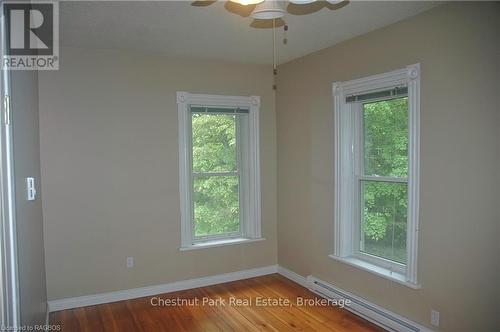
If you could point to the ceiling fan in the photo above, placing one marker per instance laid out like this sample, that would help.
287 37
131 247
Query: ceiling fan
270 13
274 9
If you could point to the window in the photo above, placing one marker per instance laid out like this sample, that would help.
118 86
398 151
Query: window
219 169
376 177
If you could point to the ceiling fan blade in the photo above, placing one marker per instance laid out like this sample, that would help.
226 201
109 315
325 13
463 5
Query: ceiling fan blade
304 9
267 24
236 8
309 8
203 3
334 5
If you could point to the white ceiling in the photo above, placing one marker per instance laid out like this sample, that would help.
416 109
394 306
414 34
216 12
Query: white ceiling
176 28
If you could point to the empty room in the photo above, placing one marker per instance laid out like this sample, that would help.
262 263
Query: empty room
250 165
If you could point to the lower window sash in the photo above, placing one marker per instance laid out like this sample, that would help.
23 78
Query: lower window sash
381 262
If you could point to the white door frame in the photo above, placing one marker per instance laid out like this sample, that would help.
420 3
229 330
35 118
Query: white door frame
9 286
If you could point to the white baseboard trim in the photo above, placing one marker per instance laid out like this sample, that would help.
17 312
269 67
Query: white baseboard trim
82 301
360 307
292 276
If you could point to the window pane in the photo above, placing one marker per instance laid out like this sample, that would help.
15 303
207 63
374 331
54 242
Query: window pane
216 205
214 142
386 137
383 230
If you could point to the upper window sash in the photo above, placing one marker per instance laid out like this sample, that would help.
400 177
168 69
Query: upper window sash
348 162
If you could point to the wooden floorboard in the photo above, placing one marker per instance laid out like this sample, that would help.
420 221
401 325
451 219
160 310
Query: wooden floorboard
139 315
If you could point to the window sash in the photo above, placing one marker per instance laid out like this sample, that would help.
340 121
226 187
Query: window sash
218 236
390 265
358 178
358 239
237 173
382 178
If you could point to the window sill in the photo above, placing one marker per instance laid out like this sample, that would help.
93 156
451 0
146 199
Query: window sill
220 243
375 269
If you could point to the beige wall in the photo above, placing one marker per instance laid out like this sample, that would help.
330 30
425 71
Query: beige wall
109 147
29 221
458 48
108 136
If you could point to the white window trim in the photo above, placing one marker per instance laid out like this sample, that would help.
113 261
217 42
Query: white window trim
251 229
344 169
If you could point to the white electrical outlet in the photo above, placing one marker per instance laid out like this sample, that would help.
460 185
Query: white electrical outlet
435 318
130 262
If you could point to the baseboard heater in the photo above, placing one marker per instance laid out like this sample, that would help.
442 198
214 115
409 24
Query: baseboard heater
369 311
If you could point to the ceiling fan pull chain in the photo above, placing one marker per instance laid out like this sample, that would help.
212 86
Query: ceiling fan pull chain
275 70
285 34
274 44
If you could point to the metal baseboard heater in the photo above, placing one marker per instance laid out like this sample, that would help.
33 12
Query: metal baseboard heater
369 311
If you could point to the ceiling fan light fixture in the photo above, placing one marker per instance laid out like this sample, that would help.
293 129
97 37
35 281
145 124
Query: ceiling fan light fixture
247 2
269 10
334 2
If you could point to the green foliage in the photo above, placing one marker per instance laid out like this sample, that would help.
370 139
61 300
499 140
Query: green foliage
386 137
385 154
216 198
216 205
214 142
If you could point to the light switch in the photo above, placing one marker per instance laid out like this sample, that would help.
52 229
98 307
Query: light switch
30 189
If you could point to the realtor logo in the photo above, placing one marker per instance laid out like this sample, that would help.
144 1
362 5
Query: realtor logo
31 36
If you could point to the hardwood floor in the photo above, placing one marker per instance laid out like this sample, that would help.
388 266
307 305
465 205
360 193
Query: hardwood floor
252 315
